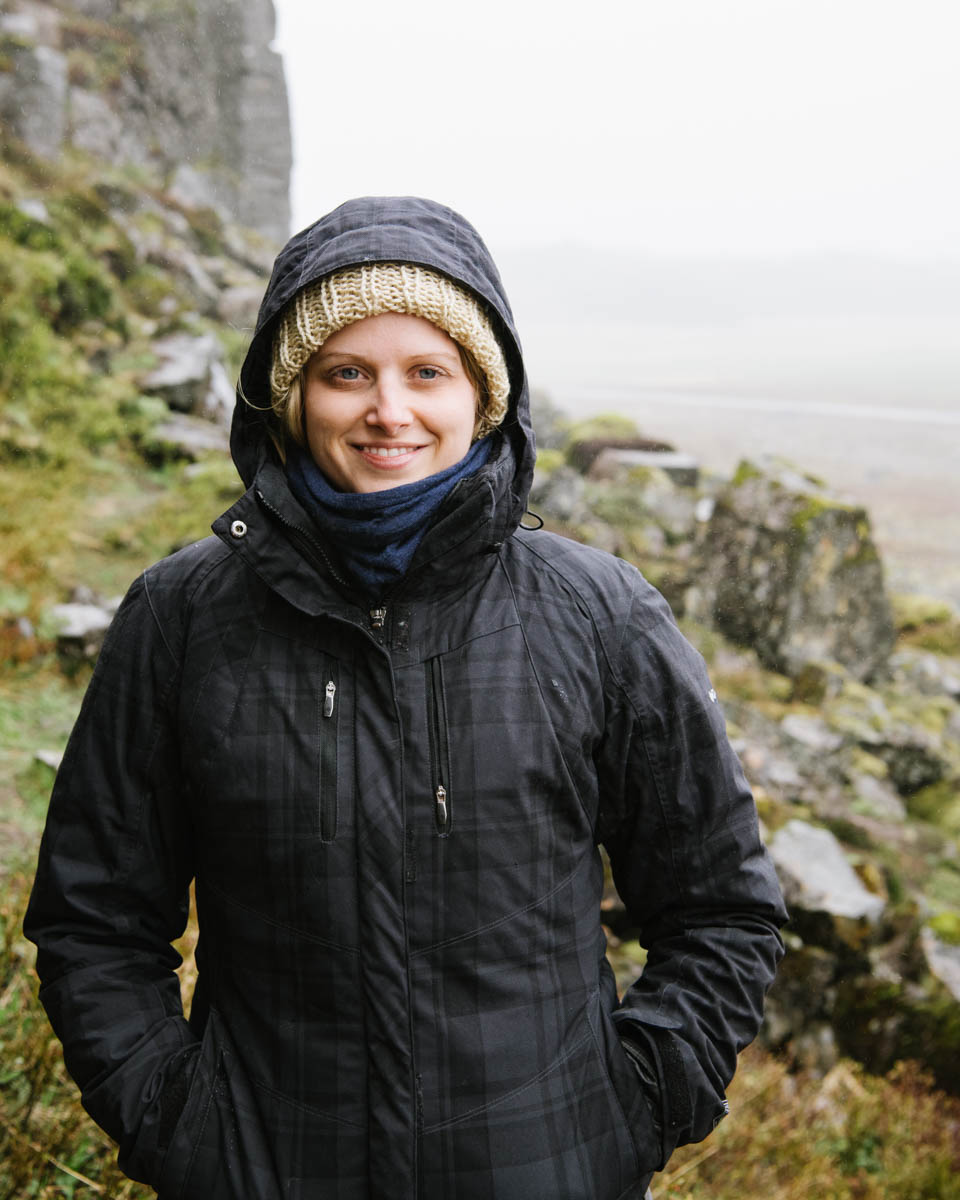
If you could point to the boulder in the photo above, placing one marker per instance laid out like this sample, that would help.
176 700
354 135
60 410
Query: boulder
876 798
913 757
590 440
173 256
80 628
829 905
683 469
882 1021
787 569
49 758
218 404
239 304
561 495
193 188
943 961
33 97
811 733
97 127
929 674
191 377
184 438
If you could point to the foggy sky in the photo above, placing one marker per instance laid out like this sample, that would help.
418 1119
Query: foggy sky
692 127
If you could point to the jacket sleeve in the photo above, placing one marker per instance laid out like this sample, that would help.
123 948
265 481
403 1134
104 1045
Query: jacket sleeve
680 827
111 894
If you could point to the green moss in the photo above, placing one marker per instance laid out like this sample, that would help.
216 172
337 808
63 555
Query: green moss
913 612
619 504
110 53
207 228
745 471
84 293
864 763
946 926
26 230
938 639
938 803
863 551
942 884
927 623
604 425
549 460
814 507
150 290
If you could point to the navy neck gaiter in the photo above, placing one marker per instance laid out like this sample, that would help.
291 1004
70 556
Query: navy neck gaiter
377 533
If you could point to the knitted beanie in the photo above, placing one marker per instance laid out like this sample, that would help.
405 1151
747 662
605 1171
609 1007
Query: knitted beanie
332 303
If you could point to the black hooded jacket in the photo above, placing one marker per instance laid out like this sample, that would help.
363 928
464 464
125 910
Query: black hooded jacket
392 811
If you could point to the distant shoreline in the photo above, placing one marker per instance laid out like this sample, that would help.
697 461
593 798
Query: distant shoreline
727 401
901 464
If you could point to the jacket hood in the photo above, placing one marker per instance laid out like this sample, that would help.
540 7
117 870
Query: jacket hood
381 229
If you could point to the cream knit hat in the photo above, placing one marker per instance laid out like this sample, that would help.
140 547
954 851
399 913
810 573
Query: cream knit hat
322 308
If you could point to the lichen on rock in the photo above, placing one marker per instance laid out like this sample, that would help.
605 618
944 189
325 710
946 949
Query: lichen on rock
792 571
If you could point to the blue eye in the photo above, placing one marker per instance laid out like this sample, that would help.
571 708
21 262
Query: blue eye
349 373
427 372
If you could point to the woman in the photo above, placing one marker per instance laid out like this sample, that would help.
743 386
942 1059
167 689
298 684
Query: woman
385 727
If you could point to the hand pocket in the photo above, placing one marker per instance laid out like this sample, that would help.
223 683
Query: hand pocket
219 1149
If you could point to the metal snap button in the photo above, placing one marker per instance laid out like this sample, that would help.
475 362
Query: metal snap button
238 529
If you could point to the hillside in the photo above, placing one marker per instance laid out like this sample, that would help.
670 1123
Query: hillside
127 305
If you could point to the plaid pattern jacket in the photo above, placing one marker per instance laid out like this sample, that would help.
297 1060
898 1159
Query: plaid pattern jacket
392 811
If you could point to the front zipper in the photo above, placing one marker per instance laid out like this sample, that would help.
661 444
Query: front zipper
312 550
439 747
329 727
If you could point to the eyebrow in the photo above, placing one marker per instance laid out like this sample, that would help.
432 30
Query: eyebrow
424 355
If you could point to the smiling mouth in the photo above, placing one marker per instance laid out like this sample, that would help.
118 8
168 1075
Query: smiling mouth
388 451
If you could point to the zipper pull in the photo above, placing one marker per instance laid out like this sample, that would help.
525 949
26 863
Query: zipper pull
328 697
377 617
443 813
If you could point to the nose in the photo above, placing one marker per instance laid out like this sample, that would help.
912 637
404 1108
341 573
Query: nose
389 409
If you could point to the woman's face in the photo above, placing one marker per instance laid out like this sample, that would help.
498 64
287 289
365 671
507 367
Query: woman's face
387 401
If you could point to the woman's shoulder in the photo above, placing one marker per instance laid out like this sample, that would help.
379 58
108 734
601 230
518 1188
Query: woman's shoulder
608 590
586 569
184 570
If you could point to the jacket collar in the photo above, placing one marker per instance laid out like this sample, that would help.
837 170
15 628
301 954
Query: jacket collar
270 531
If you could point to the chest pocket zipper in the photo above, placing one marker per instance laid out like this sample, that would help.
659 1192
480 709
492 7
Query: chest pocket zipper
329 728
439 748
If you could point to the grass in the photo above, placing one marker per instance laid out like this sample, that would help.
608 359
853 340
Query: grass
49 1147
79 505
846 1136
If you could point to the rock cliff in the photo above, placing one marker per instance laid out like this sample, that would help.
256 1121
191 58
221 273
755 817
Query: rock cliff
187 90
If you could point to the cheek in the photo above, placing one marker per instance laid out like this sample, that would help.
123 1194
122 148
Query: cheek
325 413
464 415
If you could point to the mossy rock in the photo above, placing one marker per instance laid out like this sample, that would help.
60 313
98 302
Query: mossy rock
914 611
604 425
619 504
938 803
27 231
793 572
547 460
927 623
881 1022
